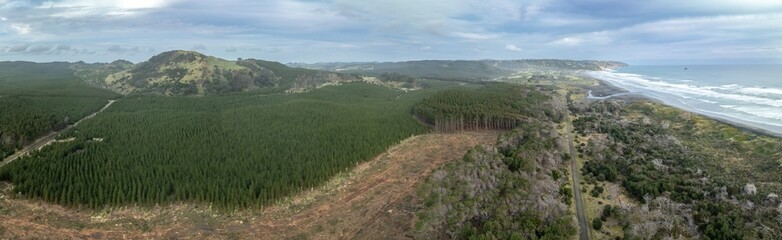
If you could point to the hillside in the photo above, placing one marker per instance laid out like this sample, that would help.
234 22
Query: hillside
191 73
462 70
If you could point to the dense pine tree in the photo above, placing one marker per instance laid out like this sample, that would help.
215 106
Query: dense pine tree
36 98
240 150
495 106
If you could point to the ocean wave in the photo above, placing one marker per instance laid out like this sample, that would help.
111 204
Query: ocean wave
730 91
764 112
761 91
707 101
757 106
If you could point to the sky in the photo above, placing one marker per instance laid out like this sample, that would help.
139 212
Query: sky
636 32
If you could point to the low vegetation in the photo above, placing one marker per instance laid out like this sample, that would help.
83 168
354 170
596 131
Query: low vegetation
513 191
693 179
501 193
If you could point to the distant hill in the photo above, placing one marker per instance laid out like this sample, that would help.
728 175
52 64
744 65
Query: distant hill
181 72
191 73
462 70
554 64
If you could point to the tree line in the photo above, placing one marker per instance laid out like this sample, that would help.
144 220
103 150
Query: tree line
494 106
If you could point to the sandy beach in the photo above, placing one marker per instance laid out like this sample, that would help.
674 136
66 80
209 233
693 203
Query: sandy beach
607 90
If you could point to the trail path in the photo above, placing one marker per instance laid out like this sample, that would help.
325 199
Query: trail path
49 138
580 214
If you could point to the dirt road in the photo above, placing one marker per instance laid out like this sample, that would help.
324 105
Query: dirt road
46 140
583 233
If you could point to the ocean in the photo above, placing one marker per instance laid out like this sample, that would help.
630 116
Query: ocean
746 94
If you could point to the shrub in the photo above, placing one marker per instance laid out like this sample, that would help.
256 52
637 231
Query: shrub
597 224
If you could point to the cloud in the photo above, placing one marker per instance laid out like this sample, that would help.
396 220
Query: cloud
468 19
22 29
473 36
511 47
18 48
117 4
198 47
82 8
38 49
115 48
385 30
63 48
120 49
347 45
569 41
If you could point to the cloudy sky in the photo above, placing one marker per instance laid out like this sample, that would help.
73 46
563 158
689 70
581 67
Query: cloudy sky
637 32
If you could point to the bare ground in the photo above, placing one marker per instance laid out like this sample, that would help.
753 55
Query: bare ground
375 200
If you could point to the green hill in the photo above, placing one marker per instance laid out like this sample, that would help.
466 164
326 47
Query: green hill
191 73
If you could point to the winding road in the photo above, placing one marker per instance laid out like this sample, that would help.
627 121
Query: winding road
46 140
583 233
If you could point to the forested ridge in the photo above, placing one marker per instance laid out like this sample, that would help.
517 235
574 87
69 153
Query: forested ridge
36 98
240 150
493 106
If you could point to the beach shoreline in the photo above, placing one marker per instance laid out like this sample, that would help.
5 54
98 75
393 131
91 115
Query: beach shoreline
630 96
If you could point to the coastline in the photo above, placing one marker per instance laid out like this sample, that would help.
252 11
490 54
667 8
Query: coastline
630 96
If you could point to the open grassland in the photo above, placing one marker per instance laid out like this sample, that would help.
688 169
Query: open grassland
241 150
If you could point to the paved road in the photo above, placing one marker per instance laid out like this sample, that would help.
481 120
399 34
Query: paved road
45 140
580 214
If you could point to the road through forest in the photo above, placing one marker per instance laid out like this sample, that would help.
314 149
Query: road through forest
580 214
45 140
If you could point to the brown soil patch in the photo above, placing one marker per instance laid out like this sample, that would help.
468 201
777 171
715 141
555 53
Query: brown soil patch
375 200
